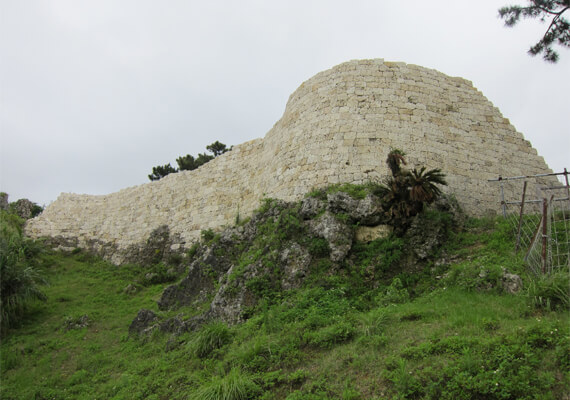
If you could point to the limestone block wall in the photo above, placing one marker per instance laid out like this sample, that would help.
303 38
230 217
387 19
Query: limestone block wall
337 127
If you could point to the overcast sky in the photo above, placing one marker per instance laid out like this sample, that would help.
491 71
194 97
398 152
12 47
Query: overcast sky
93 94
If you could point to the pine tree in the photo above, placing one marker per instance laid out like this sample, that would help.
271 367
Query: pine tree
189 162
161 171
558 31
217 148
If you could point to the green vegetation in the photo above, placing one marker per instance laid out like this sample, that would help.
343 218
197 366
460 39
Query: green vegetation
371 327
406 193
189 162
21 279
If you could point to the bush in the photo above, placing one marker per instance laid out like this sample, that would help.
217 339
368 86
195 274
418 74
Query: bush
20 284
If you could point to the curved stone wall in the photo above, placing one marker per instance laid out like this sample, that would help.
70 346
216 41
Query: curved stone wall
337 127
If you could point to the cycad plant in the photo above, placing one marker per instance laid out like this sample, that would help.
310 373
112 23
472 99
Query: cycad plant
405 193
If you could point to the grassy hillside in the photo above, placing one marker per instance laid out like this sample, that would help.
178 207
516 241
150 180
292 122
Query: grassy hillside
446 331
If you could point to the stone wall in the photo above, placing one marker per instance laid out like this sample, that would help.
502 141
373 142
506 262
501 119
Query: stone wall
337 127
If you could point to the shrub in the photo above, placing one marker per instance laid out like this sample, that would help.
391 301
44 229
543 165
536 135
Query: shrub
20 284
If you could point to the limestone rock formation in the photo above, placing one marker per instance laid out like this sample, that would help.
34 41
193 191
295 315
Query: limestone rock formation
278 250
338 126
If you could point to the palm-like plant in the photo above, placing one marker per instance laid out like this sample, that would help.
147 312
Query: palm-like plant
423 183
395 158
406 193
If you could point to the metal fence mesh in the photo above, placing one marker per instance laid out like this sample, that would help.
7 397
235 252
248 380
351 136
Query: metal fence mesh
538 209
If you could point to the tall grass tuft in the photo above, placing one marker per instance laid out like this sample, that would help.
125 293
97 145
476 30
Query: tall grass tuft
234 386
550 292
20 279
211 337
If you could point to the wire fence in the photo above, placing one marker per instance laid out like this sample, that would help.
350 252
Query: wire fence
538 209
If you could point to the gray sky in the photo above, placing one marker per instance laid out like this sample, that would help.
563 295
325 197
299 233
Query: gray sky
93 94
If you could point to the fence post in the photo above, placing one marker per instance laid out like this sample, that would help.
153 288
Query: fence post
567 186
544 233
520 218
503 197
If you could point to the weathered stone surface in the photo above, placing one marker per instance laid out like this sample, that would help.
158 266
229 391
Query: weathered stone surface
296 261
370 233
367 211
234 297
512 283
311 207
143 322
195 287
337 127
337 234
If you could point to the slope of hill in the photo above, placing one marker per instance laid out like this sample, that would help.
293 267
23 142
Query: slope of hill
284 309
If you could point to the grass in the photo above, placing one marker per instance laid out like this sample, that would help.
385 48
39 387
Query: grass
446 332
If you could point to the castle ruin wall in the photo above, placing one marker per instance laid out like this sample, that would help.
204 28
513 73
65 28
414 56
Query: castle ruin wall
337 127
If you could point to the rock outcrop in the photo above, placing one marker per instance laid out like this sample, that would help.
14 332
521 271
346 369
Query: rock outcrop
278 250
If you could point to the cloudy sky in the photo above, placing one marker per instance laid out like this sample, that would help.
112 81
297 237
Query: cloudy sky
93 94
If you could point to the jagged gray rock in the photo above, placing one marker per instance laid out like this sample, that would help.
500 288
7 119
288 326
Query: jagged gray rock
234 297
311 207
200 281
367 211
336 232
143 322
296 261
512 283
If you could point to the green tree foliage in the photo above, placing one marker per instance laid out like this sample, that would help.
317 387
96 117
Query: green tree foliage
189 162
20 283
160 171
558 31
217 148
405 193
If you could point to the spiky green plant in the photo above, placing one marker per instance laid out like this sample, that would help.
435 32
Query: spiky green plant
405 193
